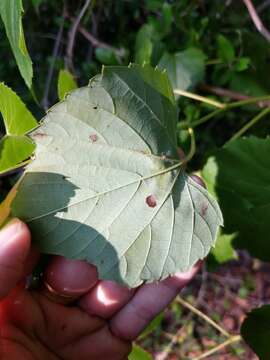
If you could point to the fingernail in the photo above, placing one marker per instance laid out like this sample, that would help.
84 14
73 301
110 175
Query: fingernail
70 277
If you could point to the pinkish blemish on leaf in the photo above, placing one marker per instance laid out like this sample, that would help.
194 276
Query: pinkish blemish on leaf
204 209
39 135
151 201
93 137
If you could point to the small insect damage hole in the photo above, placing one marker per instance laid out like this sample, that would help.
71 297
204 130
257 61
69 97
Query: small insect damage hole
151 201
95 107
93 137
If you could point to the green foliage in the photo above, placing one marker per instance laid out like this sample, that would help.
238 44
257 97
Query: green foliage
66 83
139 354
256 331
225 49
129 178
14 146
243 191
11 14
185 69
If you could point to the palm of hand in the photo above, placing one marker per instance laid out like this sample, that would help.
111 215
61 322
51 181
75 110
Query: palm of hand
33 327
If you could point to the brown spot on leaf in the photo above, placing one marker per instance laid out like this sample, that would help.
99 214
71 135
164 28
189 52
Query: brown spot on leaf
39 135
151 201
93 137
204 209
95 107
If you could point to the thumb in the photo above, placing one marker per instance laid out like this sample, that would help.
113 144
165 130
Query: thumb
14 247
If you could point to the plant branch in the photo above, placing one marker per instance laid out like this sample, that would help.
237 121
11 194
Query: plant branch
203 316
252 122
230 94
256 19
72 35
199 98
45 99
229 106
230 341
97 42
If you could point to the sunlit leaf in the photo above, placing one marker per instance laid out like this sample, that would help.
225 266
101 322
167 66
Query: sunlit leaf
11 13
66 83
14 146
107 186
139 353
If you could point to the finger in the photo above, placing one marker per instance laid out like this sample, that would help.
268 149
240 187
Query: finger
69 278
198 180
14 248
105 299
148 302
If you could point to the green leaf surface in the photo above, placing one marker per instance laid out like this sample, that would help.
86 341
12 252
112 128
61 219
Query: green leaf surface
139 353
144 44
256 331
223 250
17 118
106 56
66 83
225 49
14 147
239 175
11 13
185 69
107 186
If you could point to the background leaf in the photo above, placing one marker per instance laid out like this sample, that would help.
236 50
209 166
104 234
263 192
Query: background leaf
11 14
139 353
239 175
106 184
66 83
256 331
14 146
185 69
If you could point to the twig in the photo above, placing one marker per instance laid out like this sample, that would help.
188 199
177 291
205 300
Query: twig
256 19
229 106
97 42
72 35
199 98
252 122
263 6
231 340
45 99
230 94
203 316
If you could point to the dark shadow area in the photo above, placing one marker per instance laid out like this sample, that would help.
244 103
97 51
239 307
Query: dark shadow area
43 201
245 199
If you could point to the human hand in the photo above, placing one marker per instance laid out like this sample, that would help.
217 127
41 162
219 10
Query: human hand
100 325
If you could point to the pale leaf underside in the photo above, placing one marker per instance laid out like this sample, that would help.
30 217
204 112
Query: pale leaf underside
106 186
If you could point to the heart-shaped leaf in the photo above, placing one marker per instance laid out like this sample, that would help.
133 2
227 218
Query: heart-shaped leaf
107 186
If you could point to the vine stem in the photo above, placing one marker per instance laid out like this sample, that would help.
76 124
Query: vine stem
203 316
229 106
252 122
199 98
230 341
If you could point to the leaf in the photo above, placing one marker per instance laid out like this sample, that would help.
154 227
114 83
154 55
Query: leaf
107 186
225 49
66 83
155 323
5 206
256 331
239 175
185 69
223 250
139 353
106 56
14 146
144 45
11 13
